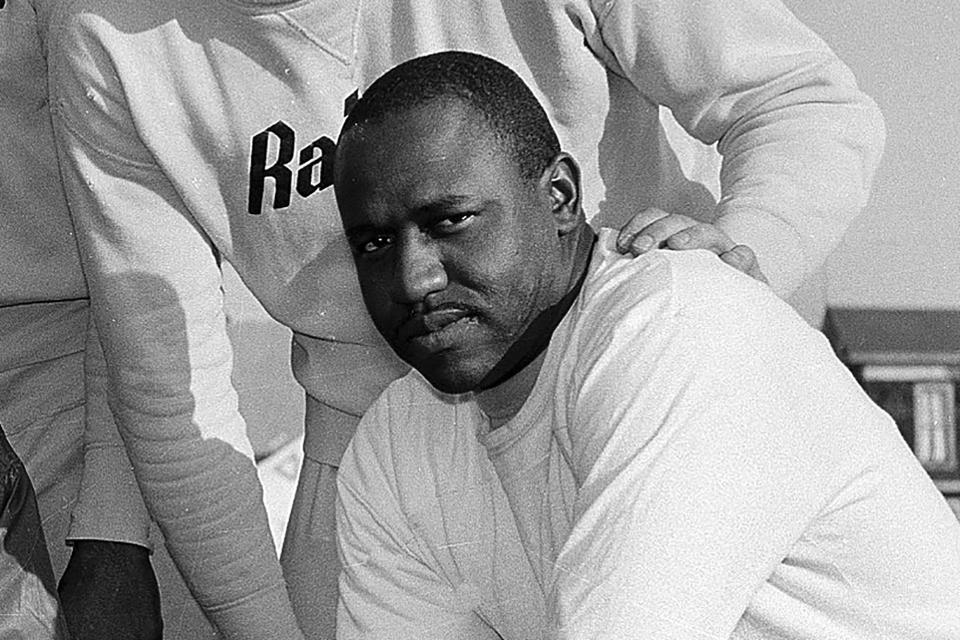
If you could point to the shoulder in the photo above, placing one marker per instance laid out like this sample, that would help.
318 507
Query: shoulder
670 290
411 433
101 51
686 325
685 315
125 16
80 32
78 28
676 349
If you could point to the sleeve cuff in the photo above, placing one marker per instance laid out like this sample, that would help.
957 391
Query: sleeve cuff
775 243
110 506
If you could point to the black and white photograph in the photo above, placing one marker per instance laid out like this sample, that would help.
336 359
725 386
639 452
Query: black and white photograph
479 320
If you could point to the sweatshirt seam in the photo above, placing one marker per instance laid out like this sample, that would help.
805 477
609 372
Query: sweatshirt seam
67 123
281 12
308 35
16 428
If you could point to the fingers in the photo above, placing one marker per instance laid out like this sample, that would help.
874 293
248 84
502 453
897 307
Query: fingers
655 228
743 258
702 236
649 229
631 238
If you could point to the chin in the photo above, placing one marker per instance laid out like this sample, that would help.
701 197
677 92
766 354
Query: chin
452 378
446 382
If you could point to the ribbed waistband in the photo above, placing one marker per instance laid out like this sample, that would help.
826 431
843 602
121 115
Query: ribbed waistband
341 380
347 376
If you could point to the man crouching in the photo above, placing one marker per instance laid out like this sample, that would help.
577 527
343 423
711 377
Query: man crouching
593 446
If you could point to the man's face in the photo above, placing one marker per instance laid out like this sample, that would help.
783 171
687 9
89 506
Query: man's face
456 254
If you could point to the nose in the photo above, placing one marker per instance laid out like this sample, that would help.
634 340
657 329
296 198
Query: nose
419 269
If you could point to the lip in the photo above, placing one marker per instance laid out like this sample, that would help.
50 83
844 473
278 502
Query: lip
436 329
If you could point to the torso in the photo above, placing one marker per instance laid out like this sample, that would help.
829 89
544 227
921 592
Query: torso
456 482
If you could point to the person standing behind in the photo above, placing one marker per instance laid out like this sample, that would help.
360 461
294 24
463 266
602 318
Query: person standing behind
44 316
193 133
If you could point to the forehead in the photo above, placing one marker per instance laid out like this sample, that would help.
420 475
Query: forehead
429 151
423 131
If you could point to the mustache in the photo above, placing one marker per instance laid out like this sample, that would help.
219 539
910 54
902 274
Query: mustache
429 316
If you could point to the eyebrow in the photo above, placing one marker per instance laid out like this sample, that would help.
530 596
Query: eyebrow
439 205
443 204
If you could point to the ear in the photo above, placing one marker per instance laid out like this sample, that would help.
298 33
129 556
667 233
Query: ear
561 181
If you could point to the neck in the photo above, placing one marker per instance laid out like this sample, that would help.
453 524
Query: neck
502 402
508 385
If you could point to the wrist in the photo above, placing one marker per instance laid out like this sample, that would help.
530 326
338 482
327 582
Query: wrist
109 551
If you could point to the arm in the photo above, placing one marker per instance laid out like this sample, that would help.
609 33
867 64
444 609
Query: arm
698 478
390 587
155 290
108 588
799 141
108 488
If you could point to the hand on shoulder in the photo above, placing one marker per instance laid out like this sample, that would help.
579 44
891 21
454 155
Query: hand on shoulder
655 228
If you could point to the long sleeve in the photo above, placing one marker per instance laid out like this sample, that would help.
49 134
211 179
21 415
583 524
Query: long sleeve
155 289
800 142
109 505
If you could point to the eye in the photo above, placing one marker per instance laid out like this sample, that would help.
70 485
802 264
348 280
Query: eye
372 245
454 222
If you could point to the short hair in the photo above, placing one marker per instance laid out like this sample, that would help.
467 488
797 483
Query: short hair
493 90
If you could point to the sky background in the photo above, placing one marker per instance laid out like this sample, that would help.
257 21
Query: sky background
904 251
